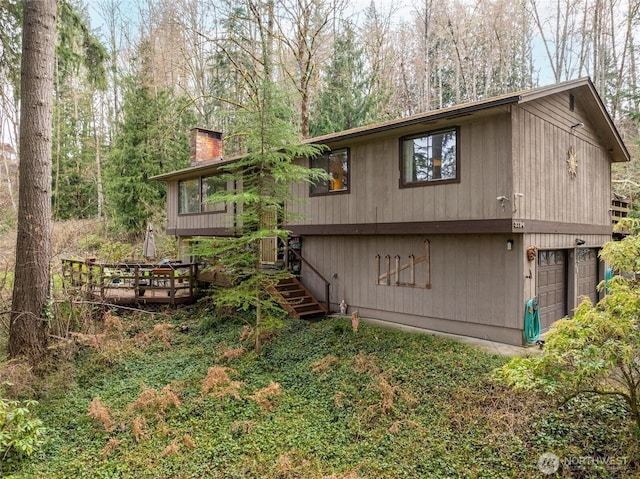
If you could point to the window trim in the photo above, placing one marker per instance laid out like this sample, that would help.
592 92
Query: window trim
413 184
200 200
348 176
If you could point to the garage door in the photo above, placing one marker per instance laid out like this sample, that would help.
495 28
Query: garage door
552 286
587 260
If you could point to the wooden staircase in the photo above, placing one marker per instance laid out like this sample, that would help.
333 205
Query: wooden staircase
296 299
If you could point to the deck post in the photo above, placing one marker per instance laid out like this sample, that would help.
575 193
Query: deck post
136 281
172 286
193 274
102 282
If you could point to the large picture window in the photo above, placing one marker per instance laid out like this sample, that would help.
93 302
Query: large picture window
189 196
430 157
211 185
336 164
193 195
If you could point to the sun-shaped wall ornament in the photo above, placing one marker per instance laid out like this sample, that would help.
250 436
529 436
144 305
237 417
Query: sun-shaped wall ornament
572 162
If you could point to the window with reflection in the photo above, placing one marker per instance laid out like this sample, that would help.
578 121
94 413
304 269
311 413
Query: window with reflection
193 195
336 164
430 158
189 196
211 185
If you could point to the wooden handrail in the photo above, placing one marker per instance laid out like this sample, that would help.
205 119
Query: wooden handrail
136 276
327 284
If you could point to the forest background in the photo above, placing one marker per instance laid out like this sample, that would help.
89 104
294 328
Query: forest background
133 76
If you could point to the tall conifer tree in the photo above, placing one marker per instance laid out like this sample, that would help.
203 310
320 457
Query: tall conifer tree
264 176
27 330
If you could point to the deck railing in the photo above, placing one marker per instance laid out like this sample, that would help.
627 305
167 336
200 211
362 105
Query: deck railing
133 282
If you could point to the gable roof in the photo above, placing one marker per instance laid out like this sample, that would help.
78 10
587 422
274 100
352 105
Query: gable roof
582 88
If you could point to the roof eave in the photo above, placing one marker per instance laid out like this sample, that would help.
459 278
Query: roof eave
435 115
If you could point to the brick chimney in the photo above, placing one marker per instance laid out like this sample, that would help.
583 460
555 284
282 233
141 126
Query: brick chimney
205 146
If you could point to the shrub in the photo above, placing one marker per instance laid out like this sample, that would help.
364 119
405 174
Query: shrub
596 352
20 432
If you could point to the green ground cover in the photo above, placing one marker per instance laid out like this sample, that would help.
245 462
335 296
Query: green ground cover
181 400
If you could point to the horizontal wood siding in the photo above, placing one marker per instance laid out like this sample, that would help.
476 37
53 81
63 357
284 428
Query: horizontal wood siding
542 139
376 196
474 279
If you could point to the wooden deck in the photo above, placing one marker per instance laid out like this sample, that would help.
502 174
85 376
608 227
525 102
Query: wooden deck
172 283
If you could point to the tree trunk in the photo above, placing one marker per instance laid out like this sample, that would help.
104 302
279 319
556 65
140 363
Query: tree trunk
27 330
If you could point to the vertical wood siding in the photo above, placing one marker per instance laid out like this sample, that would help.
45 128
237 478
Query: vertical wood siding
542 138
194 221
375 195
474 278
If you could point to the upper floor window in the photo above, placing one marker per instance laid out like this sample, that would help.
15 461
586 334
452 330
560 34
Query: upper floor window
430 157
336 163
189 196
211 185
193 195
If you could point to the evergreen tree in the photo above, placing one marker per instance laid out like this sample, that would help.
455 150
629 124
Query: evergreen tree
266 173
74 193
347 100
153 138
27 327
80 73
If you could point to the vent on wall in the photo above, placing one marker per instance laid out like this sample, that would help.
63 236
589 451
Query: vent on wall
572 103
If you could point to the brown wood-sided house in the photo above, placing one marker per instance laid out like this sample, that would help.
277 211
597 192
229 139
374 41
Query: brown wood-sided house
450 220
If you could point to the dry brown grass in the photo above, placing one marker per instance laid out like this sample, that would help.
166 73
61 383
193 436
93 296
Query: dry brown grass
504 412
110 341
152 401
96 341
366 363
217 383
112 445
113 325
139 428
172 449
324 365
227 354
265 397
296 464
346 475
387 393
161 333
242 427
397 426
246 333
142 340
188 441
100 414
17 379
113 339
338 399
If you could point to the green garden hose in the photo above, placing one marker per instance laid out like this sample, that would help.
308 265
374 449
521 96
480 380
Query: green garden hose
531 321
607 277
